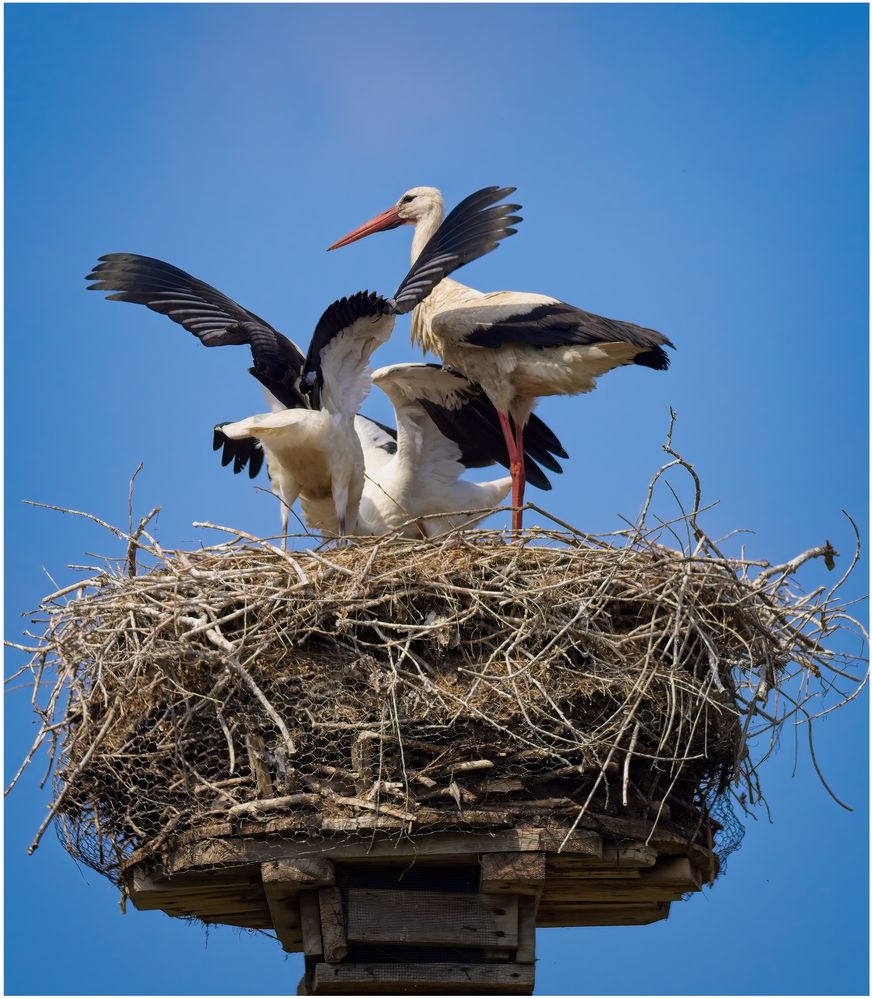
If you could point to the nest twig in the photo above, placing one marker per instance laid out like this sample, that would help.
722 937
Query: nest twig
458 682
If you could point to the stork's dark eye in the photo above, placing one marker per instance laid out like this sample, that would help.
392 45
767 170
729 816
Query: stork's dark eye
406 198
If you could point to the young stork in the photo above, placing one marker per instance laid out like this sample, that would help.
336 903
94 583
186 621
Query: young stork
516 345
311 444
435 412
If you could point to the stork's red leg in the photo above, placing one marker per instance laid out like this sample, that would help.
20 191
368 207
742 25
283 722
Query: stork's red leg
516 470
522 476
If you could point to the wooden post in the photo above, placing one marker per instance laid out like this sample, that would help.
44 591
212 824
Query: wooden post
526 952
284 884
310 924
332 925
523 876
518 873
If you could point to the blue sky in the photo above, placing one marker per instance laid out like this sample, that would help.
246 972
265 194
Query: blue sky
698 169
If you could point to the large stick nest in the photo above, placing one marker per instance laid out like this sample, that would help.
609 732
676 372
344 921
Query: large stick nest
470 681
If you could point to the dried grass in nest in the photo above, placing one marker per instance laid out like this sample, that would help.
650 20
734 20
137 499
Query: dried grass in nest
467 681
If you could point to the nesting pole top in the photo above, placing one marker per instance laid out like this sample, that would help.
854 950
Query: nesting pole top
421 915
403 757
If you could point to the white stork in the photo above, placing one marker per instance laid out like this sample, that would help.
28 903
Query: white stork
422 477
312 446
516 345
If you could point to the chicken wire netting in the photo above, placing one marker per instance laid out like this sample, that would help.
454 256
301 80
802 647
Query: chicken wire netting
472 682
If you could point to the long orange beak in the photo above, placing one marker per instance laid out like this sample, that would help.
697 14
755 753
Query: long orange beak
388 219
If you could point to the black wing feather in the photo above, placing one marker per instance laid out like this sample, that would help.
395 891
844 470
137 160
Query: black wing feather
472 229
243 453
337 318
475 428
562 325
212 317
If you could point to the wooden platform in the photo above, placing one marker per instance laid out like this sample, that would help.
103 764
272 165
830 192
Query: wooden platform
439 914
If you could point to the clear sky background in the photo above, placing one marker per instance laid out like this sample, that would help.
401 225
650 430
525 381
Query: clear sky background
698 169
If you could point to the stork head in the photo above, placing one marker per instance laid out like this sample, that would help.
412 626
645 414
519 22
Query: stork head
416 204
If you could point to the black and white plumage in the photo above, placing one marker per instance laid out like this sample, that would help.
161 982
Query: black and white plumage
243 453
312 447
215 319
517 346
446 425
437 412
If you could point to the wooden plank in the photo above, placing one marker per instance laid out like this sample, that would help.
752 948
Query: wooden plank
308 872
569 872
628 854
610 893
519 872
209 896
252 902
202 903
284 910
332 924
662 840
310 923
432 918
601 915
144 882
581 841
241 850
526 952
676 872
422 979
669 880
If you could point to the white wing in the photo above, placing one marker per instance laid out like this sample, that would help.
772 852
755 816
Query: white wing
336 369
423 477
309 456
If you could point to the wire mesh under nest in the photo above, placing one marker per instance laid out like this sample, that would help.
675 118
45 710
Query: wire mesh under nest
471 681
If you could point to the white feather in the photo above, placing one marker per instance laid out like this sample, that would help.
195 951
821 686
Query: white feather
344 363
423 477
313 455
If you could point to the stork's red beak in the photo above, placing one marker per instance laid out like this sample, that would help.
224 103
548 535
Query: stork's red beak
388 219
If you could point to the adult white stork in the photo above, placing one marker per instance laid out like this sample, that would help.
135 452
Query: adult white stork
312 448
516 345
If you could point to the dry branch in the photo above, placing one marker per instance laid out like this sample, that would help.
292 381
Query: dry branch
563 680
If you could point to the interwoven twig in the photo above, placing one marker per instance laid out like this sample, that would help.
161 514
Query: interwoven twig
472 680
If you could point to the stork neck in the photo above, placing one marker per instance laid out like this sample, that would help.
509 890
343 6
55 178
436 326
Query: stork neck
424 229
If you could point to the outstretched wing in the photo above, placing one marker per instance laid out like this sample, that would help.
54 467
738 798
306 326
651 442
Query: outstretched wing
472 229
461 413
212 317
346 335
